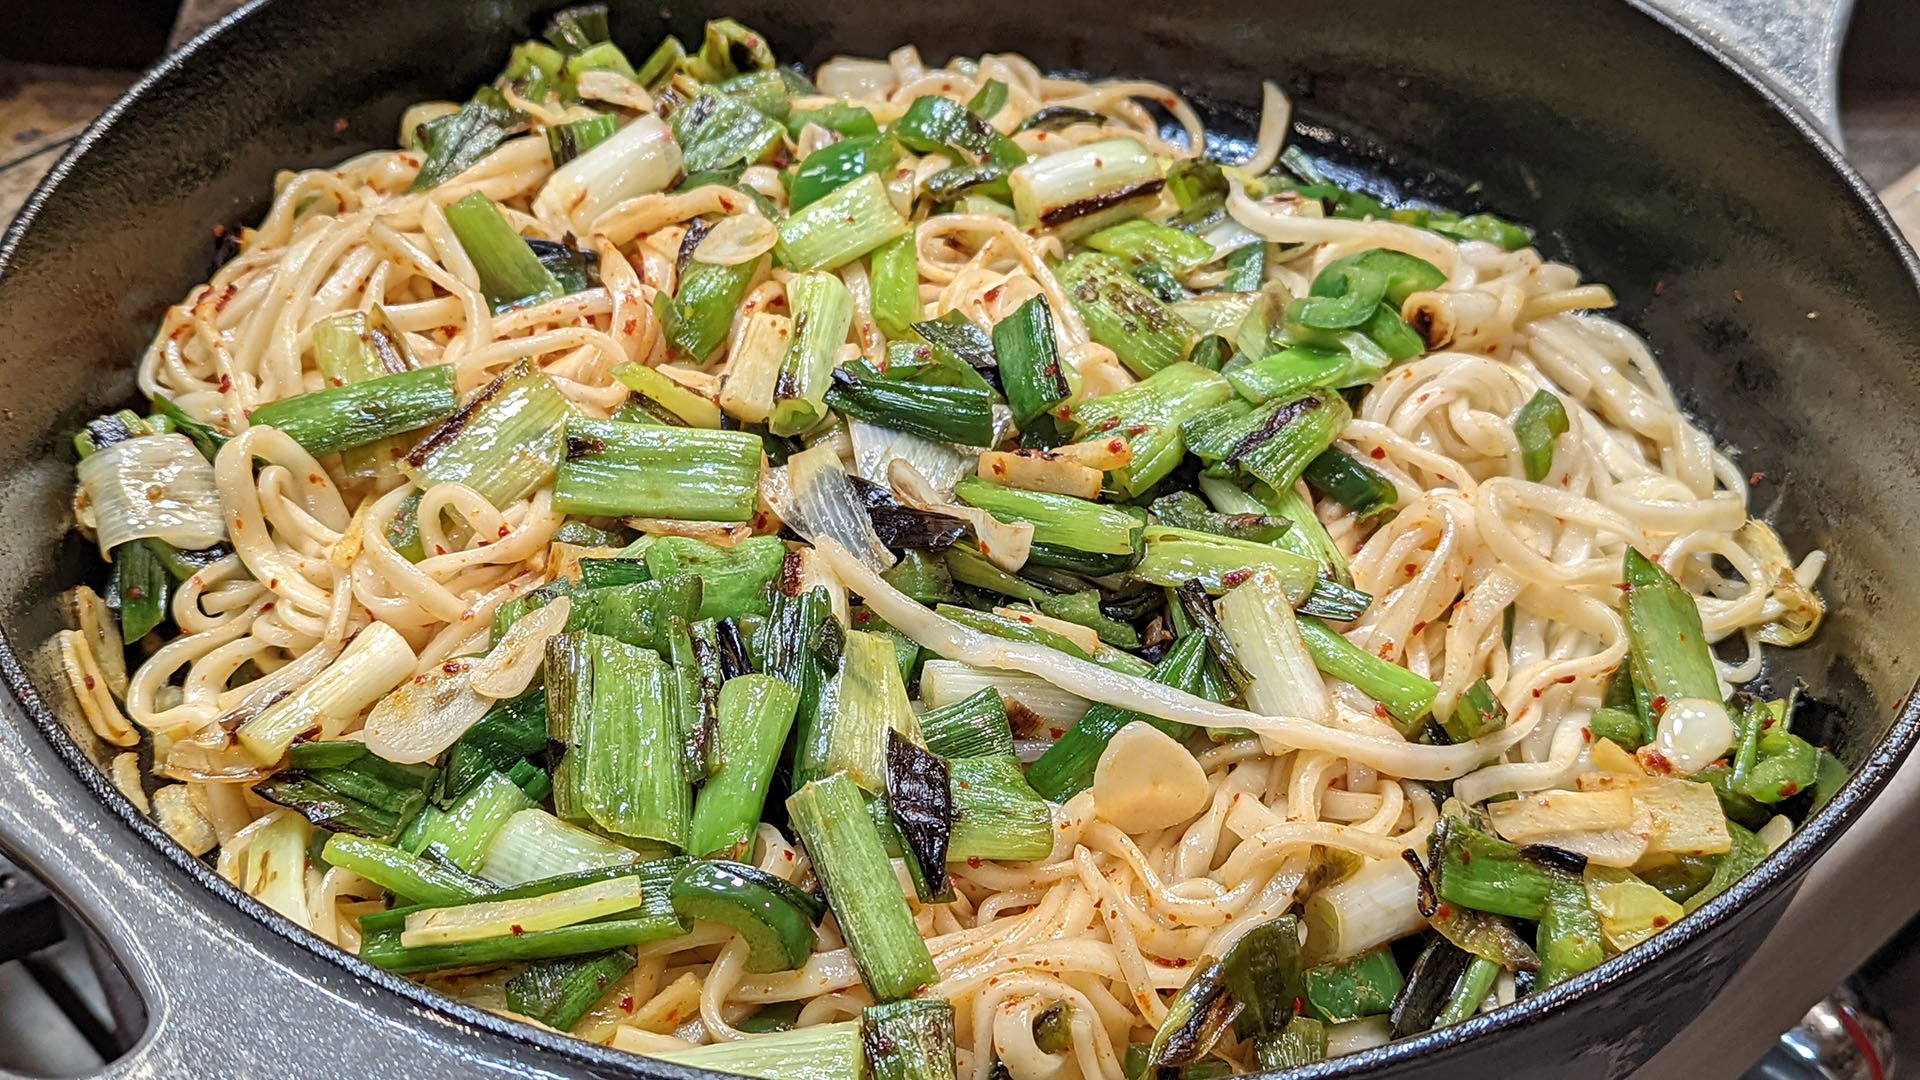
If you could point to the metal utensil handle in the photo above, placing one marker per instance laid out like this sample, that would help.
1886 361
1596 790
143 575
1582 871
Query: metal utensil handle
1792 45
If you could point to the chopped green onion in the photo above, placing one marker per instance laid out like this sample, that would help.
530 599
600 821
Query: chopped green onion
997 814
688 474
142 586
766 91
942 413
1031 371
558 993
730 48
1406 695
896 285
504 442
698 318
510 273
1542 419
1259 622
1360 986
341 417
1067 767
1469 992
535 846
457 141
715 131
510 732
974 726
1085 186
1143 241
1148 415
733 580
816 1052
400 873
373 663
822 314
861 888
461 836
609 704
1475 869
1276 441
1121 314
1476 713
1173 556
343 787
935 124
1669 651
849 222
774 918
921 575
910 1040
1568 940
568 141
873 700
691 408
533 70
755 714
1069 533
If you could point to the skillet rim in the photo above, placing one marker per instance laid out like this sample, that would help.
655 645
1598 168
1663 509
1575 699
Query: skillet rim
1781 869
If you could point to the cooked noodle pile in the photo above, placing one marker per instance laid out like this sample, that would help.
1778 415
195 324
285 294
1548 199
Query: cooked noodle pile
1480 573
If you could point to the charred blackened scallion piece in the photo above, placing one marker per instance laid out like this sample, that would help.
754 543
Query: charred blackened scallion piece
920 799
1429 986
504 442
1196 1019
1084 187
822 312
344 787
902 527
1475 869
1185 510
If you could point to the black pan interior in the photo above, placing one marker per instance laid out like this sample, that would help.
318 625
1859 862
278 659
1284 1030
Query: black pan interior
1773 296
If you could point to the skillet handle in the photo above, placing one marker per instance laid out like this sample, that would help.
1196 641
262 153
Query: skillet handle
223 992
1792 45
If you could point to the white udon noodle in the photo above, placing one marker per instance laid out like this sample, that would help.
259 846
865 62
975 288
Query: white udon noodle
1110 923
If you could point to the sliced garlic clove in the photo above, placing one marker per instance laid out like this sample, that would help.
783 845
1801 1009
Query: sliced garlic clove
1146 781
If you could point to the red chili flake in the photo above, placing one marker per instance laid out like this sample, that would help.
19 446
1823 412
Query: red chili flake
89 681
1136 431
974 861
1659 287
994 293
863 618
316 479
999 468
1117 446
1586 734
1655 761
1660 922
274 584
1757 478
1109 423
1378 453
630 327
1537 691
1444 911
1659 705
219 232
226 297
1466 857
1787 790
1235 578
1055 732
626 1002
1419 627
504 531
340 125
439 550
451 667
1567 678
226 383
515 930
1739 297
1411 569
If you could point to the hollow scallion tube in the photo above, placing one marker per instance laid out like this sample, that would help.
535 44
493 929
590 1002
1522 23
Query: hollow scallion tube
1148 416
687 474
504 442
1122 315
756 713
510 273
342 417
822 314
841 226
861 887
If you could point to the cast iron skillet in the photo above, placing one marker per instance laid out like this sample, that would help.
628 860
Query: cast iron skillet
1778 296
